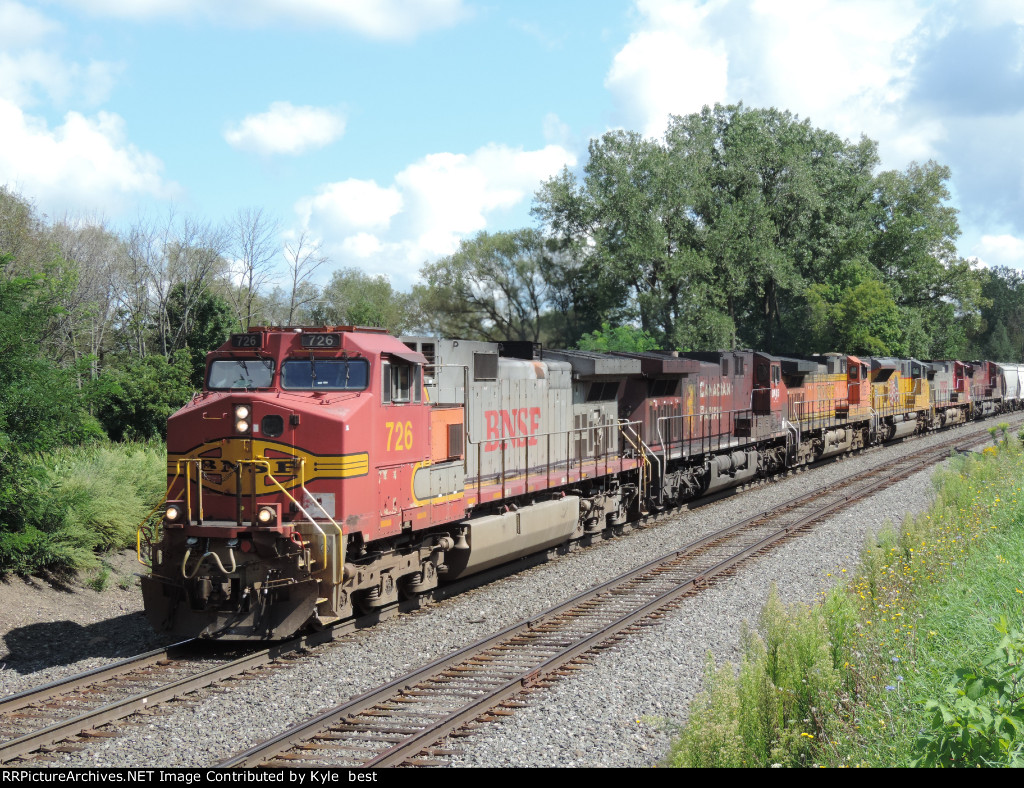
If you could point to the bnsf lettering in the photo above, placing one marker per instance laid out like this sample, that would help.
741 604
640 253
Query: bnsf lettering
512 427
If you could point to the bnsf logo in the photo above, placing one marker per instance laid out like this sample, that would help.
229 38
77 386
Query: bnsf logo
513 426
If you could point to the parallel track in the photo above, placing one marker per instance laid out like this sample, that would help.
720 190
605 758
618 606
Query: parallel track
401 722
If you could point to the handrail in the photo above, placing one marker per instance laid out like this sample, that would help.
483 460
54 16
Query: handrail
338 574
188 461
298 506
707 418
645 454
793 429
138 531
569 460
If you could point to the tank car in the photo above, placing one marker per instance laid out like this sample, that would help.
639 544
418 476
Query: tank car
1013 380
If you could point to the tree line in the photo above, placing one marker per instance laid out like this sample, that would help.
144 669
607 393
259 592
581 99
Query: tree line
740 228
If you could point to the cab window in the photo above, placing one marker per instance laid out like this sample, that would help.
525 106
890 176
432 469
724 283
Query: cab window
326 374
400 382
251 373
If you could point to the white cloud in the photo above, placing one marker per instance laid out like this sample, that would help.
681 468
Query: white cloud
382 19
432 205
24 76
288 129
351 205
22 27
996 250
80 164
362 246
994 12
555 131
671 66
450 194
843 63
32 69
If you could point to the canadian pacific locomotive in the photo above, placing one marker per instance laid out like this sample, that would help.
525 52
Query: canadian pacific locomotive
324 472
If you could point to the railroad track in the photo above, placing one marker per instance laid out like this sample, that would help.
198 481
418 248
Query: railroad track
403 722
64 715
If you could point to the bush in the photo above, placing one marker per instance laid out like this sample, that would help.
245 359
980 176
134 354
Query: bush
875 675
983 722
82 500
32 551
134 401
774 710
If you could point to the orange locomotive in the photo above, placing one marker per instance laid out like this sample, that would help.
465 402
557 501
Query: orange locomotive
326 471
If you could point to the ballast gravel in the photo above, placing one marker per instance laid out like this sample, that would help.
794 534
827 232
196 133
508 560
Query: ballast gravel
621 711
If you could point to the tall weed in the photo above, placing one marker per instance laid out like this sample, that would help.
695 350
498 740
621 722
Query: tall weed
896 667
786 687
80 501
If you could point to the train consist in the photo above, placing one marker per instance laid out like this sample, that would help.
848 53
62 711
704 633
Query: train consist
324 472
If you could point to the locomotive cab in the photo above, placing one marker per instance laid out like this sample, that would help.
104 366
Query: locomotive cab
270 479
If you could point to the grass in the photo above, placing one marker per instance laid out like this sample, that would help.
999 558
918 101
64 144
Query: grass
874 674
82 502
101 579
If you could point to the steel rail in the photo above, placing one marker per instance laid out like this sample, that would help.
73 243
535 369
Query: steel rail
24 745
45 692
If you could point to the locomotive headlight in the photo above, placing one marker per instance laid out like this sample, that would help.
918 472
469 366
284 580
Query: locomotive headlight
266 515
175 512
242 423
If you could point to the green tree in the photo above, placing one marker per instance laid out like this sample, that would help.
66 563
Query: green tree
779 204
355 298
628 219
491 289
209 323
1000 334
40 405
627 339
914 249
134 401
863 319
711 237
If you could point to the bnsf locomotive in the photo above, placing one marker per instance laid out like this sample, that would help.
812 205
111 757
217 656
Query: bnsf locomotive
325 472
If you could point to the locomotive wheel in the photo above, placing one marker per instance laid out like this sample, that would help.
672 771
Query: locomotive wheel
419 582
375 598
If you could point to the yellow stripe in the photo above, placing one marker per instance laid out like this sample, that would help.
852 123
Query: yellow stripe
235 450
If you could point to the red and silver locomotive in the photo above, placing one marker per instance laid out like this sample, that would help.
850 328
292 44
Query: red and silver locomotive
323 472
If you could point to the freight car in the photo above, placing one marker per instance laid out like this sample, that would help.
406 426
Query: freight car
323 472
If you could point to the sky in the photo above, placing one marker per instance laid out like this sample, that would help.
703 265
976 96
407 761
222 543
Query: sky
389 130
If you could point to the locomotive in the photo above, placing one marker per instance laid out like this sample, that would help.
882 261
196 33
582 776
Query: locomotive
324 472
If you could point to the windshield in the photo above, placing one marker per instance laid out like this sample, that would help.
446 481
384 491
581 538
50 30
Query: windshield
325 374
250 373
